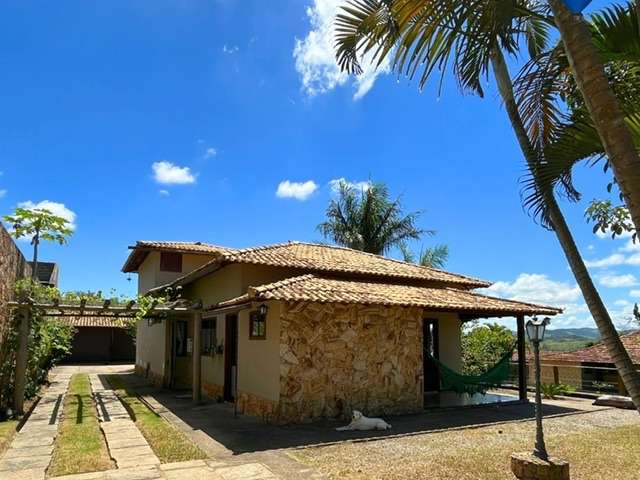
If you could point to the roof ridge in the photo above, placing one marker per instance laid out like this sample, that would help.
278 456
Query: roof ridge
384 257
259 248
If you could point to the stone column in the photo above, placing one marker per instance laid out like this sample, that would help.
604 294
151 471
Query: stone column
22 358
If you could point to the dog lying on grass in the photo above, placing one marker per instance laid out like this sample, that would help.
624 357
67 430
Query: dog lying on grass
360 422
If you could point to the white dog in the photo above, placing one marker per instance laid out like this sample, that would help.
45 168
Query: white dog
360 422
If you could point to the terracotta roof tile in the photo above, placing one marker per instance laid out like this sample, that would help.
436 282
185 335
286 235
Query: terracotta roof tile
143 247
102 322
332 259
598 353
330 290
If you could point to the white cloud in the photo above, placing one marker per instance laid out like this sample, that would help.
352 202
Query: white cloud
315 56
539 288
3 193
164 193
56 208
591 247
631 246
210 152
616 281
634 293
614 259
167 173
298 190
360 186
622 303
230 50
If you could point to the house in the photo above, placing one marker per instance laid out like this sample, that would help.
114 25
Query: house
47 273
297 331
590 368
100 339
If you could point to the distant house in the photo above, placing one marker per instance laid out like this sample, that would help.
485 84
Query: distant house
590 368
100 340
297 331
47 273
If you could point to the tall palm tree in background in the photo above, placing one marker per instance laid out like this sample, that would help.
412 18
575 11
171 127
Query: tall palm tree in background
471 36
433 257
369 220
609 120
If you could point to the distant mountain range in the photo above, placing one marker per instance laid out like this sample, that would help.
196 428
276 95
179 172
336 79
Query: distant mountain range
589 334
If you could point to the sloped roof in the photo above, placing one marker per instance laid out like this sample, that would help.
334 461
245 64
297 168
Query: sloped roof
319 258
330 290
142 248
598 353
102 322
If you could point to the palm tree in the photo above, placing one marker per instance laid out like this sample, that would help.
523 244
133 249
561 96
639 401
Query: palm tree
602 104
369 220
471 36
546 91
433 257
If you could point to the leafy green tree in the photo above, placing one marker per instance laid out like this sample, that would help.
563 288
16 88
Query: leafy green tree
471 38
368 220
434 257
636 314
609 218
483 346
38 224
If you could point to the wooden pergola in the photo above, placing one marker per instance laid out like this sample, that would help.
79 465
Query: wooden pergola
155 312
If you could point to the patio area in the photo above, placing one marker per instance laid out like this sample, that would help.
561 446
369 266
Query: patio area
244 434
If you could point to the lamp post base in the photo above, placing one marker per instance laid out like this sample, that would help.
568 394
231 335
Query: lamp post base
526 466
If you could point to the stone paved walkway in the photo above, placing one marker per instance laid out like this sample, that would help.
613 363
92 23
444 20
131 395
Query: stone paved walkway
192 470
127 446
30 452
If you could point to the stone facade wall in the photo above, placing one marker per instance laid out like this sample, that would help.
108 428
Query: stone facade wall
13 266
266 410
335 358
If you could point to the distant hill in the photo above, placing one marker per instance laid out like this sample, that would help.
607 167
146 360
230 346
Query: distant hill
588 334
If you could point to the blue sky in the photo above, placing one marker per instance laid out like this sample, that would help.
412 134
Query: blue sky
228 99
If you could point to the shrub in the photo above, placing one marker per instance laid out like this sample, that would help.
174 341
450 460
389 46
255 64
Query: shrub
552 390
49 342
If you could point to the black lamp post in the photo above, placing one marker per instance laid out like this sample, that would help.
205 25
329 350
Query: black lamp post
535 332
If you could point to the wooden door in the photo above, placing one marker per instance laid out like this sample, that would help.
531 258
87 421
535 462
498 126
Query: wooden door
230 357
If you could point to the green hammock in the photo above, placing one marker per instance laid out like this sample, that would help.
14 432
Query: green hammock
472 384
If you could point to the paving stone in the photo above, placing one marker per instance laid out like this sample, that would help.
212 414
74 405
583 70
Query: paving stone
187 464
138 473
122 453
24 463
32 474
249 471
116 443
84 476
28 452
138 461
194 473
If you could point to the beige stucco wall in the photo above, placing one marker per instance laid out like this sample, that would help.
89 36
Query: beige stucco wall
150 348
450 346
259 367
257 359
569 373
150 276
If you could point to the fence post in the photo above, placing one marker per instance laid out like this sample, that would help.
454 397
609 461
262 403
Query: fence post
22 358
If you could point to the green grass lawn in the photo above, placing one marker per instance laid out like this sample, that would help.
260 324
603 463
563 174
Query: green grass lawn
80 446
7 430
167 442
595 452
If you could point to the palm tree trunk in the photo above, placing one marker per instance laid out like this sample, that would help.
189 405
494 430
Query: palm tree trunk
610 336
602 104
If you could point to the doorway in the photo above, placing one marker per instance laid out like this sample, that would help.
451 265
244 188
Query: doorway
230 357
431 348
